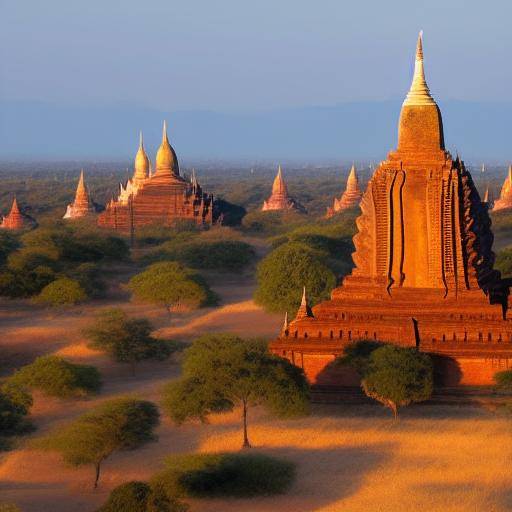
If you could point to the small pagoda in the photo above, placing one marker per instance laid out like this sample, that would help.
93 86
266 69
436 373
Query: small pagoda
423 275
505 199
82 206
16 219
279 199
160 198
350 198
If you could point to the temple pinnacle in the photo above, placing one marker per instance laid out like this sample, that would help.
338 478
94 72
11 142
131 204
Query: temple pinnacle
164 133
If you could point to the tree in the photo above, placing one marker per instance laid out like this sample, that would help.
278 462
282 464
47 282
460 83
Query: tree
15 404
398 376
504 261
62 292
171 284
503 380
282 274
55 376
221 371
128 340
119 424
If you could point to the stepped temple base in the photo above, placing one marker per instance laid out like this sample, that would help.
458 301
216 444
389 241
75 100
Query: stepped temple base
470 340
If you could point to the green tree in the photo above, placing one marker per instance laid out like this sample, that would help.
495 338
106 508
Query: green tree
504 261
503 380
282 274
221 371
62 292
128 340
15 404
55 376
398 376
171 284
119 424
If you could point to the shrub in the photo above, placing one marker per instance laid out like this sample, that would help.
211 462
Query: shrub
282 274
15 404
503 380
225 475
398 376
357 355
221 371
9 507
119 424
55 376
140 497
8 243
222 254
62 292
504 261
272 222
171 284
128 340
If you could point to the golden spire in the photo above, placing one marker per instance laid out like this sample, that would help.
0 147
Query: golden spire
166 158
279 186
419 93
81 196
304 308
352 181
486 195
141 162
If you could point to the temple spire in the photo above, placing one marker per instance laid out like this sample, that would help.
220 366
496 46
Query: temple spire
164 133
15 209
419 93
284 328
304 308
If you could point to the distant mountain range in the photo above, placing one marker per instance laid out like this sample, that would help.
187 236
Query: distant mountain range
348 131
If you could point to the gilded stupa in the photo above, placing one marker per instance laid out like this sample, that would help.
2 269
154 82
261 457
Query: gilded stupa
16 219
350 198
280 199
423 274
160 198
82 205
505 199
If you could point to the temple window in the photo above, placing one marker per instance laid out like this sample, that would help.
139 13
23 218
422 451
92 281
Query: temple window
375 336
489 336
305 335
341 334
319 334
350 335
454 337
480 337
444 337
332 334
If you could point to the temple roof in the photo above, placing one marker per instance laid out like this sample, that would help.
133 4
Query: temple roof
141 162
279 185
166 159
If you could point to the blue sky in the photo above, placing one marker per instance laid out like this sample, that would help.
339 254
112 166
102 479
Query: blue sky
229 55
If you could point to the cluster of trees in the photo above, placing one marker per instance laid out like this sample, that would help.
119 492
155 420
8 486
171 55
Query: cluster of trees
57 264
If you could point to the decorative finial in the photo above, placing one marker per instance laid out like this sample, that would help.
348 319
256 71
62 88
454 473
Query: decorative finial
304 301
164 132
419 46
141 140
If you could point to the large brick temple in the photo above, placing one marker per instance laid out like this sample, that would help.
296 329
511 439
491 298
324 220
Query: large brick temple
423 274
161 198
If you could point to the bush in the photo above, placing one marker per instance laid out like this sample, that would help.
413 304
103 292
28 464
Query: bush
222 254
8 243
282 274
225 475
272 222
357 355
9 507
173 285
140 497
398 376
55 376
504 261
62 292
15 404
503 380
128 340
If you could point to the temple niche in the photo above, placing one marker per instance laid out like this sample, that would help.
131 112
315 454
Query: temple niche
160 198
82 206
280 199
350 197
505 199
16 219
423 257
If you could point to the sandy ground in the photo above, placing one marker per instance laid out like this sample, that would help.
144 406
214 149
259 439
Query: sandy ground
349 458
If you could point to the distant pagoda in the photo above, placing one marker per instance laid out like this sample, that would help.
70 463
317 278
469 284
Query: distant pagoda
350 198
16 219
160 198
505 199
279 199
423 273
82 206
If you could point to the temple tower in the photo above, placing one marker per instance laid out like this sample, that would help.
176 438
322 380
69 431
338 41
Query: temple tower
82 205
350 197
505 199
16 219
279 199
423 274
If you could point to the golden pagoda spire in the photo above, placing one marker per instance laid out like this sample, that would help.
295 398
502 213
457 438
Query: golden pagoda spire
304 308
419 93
352 181
15 209
279 185
81 195
166 159
141 162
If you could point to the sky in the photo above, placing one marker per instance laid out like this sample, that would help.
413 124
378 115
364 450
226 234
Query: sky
240 56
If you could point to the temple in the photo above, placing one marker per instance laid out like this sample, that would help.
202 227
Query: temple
160 198
505 199
423 274
350 197
16 219
279 199
82 206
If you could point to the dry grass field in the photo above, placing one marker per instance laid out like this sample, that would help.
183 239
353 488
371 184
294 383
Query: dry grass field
349 458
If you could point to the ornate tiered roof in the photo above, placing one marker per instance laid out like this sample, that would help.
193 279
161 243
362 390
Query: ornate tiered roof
16 219
279 199
350 197
82 205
